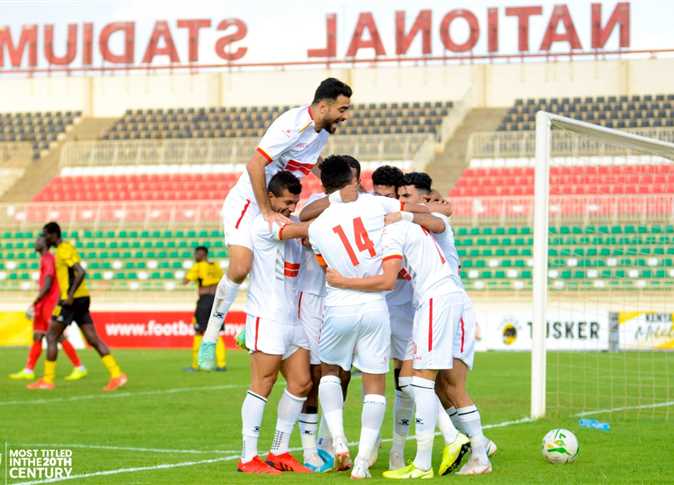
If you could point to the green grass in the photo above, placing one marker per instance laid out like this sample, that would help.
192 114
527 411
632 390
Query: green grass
164 408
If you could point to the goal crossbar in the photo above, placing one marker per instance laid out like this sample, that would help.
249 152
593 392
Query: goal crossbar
544 123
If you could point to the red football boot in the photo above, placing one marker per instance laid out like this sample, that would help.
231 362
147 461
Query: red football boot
286 463
256 465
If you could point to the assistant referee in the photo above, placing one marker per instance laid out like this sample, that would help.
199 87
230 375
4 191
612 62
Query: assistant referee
207 275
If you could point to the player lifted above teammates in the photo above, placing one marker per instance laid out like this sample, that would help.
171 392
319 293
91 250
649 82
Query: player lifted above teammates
206 274
41 309
73 306
293 142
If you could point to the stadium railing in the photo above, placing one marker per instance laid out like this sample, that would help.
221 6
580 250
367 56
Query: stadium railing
229 150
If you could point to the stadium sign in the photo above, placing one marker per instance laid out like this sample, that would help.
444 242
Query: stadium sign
643 330
395 35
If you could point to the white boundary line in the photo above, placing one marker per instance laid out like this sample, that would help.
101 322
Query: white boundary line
627 408
165 466
122 448
116 395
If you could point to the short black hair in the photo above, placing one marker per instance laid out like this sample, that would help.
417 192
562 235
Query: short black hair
52 228
353 163
284 180
335 173
331 88
389 176
420 180
201 248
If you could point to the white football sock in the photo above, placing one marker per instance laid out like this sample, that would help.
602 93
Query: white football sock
454 416
225 295
374 408
471 422
426 403
289 409
332 402
445 425
252 412
403 409
308 428
324 436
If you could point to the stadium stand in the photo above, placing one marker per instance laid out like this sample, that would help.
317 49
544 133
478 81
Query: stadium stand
493 257
39 129
232 122
648 111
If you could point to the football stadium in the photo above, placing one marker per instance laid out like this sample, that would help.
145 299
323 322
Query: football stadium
327 241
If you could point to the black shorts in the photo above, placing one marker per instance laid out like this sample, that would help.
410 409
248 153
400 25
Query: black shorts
203 312
78 312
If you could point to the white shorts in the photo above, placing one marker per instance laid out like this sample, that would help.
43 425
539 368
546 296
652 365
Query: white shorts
274 338
310 315
238 215
435 321
402 320
357 335
464 335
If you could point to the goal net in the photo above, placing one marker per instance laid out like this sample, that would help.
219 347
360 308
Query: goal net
603 277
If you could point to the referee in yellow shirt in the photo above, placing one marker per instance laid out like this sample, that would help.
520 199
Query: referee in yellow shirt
207 275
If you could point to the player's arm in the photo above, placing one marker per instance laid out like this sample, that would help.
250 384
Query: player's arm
391 266
427 221
316 170
445 207
78 277
316 208
294 231
255 168
191 275
44 291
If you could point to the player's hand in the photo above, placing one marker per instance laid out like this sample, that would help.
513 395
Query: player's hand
349 193
334 278
30 312
392 218
69 301
276 217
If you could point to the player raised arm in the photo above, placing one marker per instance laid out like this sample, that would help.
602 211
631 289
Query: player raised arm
386 281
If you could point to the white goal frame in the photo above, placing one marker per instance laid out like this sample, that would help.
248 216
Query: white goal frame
544 123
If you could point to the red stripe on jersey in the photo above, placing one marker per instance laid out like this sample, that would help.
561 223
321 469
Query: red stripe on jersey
243 212
311 113
288 265
257 332
462 334
264 154
291 273
299 305
280 231
305 168
393 256
430 324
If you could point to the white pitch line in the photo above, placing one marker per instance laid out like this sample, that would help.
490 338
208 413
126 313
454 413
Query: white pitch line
165 466
117 395
121 448
118 471
627 408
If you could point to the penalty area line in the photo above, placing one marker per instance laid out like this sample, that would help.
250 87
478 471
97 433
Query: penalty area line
627 408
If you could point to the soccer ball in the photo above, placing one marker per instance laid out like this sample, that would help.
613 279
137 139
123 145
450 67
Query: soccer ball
560 446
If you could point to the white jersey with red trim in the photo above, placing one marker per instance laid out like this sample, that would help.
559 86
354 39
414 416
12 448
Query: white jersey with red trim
422 259
348 237
272 289
312 276
447 243
290 143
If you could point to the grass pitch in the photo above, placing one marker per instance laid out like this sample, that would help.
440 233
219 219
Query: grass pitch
170 426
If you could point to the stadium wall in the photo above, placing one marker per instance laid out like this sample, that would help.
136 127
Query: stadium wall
493 85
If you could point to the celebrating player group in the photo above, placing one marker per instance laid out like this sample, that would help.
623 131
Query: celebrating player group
356 280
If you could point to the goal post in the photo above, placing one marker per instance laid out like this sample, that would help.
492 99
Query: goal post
545 122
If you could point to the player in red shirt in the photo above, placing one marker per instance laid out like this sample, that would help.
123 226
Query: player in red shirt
40 311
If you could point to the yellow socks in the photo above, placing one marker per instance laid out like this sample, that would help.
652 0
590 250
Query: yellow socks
49 371
220 353
196 343
111 364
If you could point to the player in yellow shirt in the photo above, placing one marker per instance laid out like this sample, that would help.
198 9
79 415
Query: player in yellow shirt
207 275
73 306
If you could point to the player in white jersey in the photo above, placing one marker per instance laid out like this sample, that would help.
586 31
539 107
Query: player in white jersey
451 386
356 330
439 305
293 142
274 336
318 455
